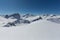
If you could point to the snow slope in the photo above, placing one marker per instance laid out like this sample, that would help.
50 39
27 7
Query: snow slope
32 18
38 30
4 21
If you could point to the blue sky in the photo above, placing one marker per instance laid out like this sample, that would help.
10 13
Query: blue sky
30 6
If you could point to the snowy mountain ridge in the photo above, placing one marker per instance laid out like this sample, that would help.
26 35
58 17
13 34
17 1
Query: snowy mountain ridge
17 19
37 27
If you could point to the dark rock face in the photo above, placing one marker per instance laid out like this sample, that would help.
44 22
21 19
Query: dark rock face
9 24
26 21
16 15
37 19
17 22
6 26
12 24
6 16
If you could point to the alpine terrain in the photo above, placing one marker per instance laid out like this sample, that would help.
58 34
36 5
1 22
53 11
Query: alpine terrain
30 27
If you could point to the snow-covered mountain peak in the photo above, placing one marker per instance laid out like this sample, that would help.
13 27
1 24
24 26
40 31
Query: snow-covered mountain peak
17 19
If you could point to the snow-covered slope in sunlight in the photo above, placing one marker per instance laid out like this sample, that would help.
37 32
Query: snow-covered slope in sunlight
32 18
4 21
38 30
11 20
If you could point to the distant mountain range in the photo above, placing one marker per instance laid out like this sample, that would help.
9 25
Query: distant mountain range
17 19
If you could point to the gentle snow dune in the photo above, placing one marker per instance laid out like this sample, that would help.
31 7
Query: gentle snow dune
39 30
